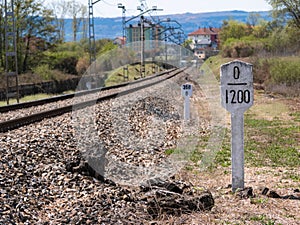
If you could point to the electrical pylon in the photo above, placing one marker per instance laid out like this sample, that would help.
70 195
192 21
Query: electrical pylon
11 58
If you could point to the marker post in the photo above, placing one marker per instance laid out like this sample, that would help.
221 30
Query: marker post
186 92
237 97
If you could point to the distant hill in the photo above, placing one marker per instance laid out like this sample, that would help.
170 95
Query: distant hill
112 27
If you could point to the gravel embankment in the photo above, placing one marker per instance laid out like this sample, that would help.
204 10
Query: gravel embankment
45 179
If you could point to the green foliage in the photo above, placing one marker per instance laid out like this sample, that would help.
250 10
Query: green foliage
64 61
282 8
44 72
243 47
263 219
187 44
285 70
35 21
75 47
272 143
104 45
242 40
169 151
262 30
285 41
116 76
234 29
72 57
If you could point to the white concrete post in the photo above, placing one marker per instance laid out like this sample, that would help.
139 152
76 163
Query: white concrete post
237 97
237 150
186 92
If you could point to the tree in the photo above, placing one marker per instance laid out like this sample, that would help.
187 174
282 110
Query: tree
287 7
59 9
35 31
253 18
234 29
74 10
187 44
84 22
262 30
1 37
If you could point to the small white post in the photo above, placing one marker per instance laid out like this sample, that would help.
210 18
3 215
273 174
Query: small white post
237 150
186 92
237 97
186 108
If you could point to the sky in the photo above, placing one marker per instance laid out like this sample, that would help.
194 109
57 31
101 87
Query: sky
109 8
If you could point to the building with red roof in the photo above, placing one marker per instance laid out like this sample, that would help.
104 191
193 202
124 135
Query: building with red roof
204 40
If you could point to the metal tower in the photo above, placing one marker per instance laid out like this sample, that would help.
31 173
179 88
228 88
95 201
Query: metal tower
11 60
92 44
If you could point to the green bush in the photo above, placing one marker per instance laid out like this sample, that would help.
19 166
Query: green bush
285 71
44 72
64 61
285 42
71 46
244 47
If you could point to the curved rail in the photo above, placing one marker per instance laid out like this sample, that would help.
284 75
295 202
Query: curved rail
22 121
68 96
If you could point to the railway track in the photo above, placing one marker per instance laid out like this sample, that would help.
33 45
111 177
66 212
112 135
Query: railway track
108 92
44 101
46 175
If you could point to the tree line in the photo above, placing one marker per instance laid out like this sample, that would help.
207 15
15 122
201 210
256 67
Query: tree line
277 37
40 34
40 31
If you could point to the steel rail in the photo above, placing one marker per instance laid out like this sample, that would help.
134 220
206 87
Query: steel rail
68 96
22 121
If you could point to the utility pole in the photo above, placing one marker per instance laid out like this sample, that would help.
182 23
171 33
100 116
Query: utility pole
120 6
92 44
11 59
142 35
166 48
144 8
142 69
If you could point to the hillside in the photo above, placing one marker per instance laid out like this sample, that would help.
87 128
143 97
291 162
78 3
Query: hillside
112 27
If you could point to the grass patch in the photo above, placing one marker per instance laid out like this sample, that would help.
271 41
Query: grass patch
292 176
258 201
271 143
268 110
197 154
169 151
30 98
177 151
117 76
296 115
214 63
262 219
223 156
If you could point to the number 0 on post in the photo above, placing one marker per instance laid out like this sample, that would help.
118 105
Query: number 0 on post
236 86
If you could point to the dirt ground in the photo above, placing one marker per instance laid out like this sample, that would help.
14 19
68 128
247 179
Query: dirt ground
260 209
229 207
